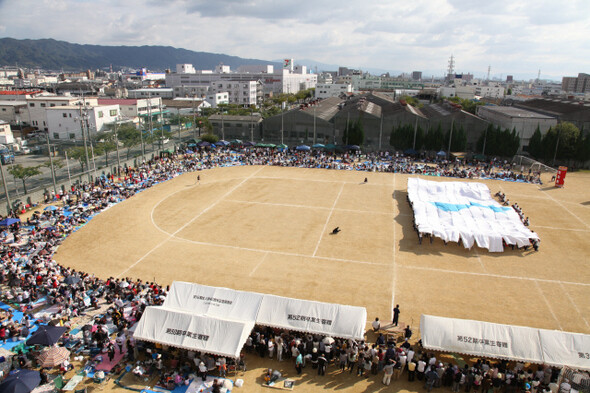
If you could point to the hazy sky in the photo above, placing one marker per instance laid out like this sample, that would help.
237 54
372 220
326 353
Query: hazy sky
512 36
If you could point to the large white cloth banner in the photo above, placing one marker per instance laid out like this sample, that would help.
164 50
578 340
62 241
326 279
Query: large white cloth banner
313 317
467 212
563 348
193 332
481 338
213 301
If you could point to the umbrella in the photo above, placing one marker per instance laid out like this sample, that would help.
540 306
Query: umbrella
71 280
353 147
222 142
303 148
189 152
46 335
328 340
236 142
441 154
248 144
21 381
123 284
281 146
53 356
203 144
9 221
318 146
330 146
50 207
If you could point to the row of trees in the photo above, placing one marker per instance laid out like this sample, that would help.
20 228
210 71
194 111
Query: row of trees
564 142
354 133
498 142
402 138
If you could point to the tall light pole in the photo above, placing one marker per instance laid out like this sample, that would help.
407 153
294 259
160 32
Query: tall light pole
450 139
9 204
314 126
282 123
251 125
51 163
194 117
117 146
83 117
380 131
68 166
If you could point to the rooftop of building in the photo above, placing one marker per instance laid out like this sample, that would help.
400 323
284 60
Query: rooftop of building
255 117
515 112
554 106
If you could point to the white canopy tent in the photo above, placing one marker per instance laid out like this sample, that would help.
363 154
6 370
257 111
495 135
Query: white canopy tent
313 317
285 313
563 348
481 338
465 211
213 301
495 340
193 332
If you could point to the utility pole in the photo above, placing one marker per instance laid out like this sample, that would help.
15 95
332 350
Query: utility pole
194 117
83 116
415 132
450 139
380 131
314 126
9 204
161 122
282 123
150 119
51 163
117 145
485 137
556 145
222 126
68 166
251 125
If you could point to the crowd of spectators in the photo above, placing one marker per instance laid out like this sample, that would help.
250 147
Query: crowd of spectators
33 281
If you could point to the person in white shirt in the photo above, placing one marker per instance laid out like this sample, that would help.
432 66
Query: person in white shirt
376 325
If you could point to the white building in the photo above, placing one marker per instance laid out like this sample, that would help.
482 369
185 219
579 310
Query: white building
490 91
64 122
14 112
39 104
6 137
136 108
238 92
279 81
325 90
214 99
164 93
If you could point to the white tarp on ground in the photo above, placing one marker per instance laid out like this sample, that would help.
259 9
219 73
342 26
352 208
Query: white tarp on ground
563 348
481 338
193 332
314 317
465 211
213 301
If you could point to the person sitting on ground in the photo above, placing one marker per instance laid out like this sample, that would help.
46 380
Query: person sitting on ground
272 376
335 230
376 325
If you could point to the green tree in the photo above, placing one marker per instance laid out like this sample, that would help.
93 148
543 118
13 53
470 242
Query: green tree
211 138
79 153
129 136
23 173
535 147
564 137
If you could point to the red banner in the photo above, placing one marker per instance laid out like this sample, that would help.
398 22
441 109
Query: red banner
560 177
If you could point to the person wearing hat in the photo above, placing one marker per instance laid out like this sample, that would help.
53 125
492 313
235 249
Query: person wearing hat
202 372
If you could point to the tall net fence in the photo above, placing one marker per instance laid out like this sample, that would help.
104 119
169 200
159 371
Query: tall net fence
527 163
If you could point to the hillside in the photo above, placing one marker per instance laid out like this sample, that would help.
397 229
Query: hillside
50 54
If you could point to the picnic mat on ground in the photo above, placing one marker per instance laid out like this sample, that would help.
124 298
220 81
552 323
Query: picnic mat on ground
281 383
197 384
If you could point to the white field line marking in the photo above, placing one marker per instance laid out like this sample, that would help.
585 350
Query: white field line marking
548 305
562 229
394 267
575 305
321 181
170 236
308 207
258 264
566 209
290 254
328 220
479 259
494 275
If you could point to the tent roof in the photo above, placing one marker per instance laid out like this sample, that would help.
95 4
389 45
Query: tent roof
269 310
213 301
193 332
510 342
314 317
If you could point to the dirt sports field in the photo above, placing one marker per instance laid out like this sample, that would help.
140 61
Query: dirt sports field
267 229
